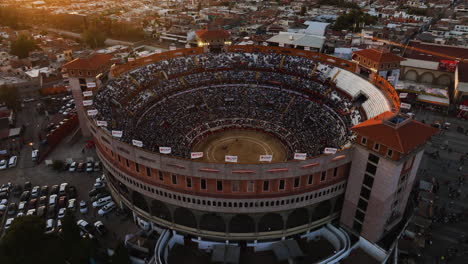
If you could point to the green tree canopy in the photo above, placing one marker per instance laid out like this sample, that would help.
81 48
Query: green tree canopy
354 20
94 37
23 46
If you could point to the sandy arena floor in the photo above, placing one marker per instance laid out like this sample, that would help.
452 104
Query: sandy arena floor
245 144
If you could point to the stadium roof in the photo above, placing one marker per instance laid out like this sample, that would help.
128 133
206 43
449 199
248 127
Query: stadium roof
399 133
94 62
378 55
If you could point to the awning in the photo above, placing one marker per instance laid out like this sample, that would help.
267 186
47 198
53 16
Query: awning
433 100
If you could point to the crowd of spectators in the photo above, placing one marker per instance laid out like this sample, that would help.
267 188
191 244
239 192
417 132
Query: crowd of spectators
174 103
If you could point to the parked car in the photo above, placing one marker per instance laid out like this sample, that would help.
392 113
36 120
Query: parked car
8 223
3 164
83 207
17 190
51 211
89 166
41 211
52 199
99 195
35 192
25 196
12 161
22 206
27 186
99 185
12 209
32 203
59 225
71 205
61 213
72 167
31 212
63 189
102 201
20 214
42 201
94 191
84 226
102 230
4 195
106 208
50 226
35 155
80 167
44 190
97 166
62 202
54 189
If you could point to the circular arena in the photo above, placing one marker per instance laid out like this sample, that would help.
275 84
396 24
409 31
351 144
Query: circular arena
248 102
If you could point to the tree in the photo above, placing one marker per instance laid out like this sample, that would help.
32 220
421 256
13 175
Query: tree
121 255
354 20
23 46
94 38
57 165
9 96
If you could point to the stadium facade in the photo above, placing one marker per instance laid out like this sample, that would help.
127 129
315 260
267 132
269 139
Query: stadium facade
362 189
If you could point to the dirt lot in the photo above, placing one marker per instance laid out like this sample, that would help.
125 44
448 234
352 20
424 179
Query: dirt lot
245 144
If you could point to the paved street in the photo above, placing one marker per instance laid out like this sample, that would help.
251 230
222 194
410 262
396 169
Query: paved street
446 170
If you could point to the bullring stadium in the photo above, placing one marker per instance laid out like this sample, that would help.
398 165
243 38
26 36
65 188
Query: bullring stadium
247 148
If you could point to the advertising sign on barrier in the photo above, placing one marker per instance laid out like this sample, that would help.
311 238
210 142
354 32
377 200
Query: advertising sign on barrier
87 102
87 93
403 95
165 150
101 123
92 112
137 143
330 150
196 155
300 156
266 158
228 158
91 84
405 106
117 133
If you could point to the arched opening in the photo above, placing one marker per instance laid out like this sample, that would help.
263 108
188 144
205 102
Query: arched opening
183 216
241 223
270 222
298 217
427 77
322 210
411 75
139 201
444 79
159 209
212 222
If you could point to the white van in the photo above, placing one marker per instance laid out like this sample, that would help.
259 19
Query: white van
35 154
63 189
12 162
102 201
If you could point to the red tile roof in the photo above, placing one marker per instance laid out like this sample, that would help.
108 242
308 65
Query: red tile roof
206 34
94 62
378 55
452 51
402 137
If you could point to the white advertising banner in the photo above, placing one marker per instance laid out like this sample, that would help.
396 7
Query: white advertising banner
165 150
196 155
101 123
267 158
87 102
300 156
92 112
405 106
87 93
230 158
137 143
117 133
91 84
330 150
403 95
464 107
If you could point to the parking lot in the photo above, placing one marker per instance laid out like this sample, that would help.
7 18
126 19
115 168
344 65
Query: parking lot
42 175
